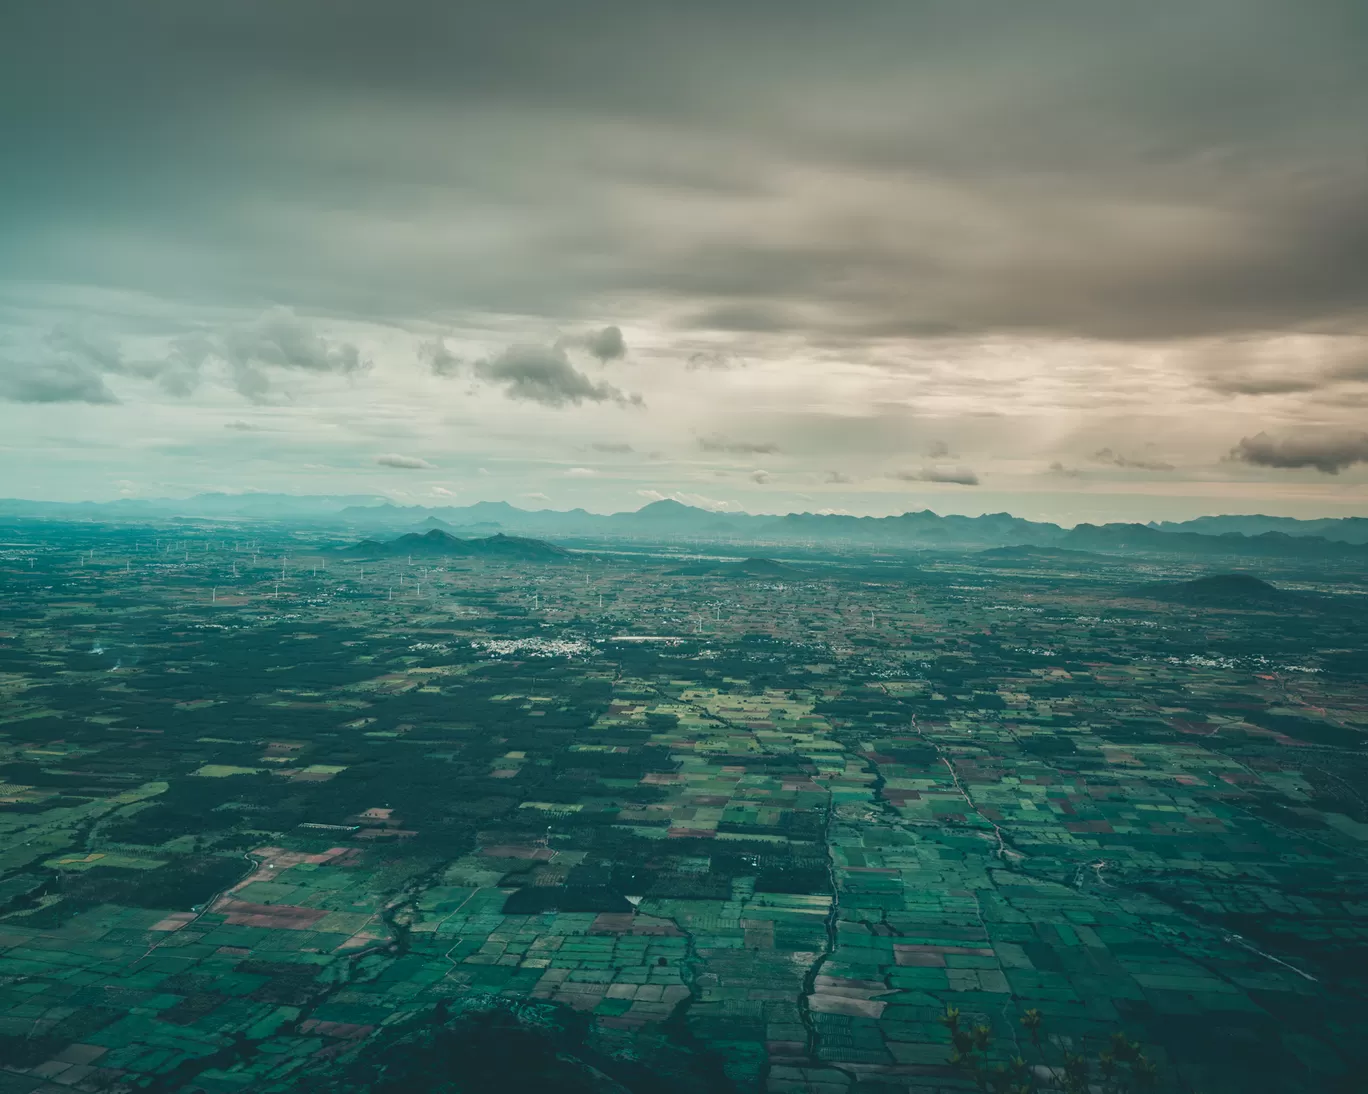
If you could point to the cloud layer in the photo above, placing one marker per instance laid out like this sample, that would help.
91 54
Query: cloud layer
968 240
1095 171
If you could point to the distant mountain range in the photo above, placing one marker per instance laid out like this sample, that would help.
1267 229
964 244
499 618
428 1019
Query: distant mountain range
439 544
1343 529
1130 538
1334 539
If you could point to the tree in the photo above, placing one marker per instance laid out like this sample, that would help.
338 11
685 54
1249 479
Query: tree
1120 1068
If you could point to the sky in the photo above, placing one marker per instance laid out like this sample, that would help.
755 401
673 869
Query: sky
1072 260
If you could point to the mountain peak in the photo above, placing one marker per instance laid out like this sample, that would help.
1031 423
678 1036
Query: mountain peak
669 505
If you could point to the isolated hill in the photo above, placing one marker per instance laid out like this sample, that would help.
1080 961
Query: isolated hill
1220 590
476 530
746 568
439 544
668 515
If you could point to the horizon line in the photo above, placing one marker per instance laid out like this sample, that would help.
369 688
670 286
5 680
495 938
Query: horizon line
382 501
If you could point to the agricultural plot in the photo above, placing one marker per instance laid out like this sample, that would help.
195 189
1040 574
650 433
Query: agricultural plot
254 842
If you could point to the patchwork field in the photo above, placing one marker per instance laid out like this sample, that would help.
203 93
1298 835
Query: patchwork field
272 841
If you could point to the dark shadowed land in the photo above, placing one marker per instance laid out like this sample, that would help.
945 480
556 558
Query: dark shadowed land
502 815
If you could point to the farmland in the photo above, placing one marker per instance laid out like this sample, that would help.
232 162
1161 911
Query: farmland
265 812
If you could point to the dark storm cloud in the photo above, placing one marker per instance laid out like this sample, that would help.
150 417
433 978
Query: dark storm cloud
863 170
543 374
718 443
1330 454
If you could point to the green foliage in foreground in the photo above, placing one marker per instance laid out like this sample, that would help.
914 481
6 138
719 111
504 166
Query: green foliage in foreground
518 1048
1121 1068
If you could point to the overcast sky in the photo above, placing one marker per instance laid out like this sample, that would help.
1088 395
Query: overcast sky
1075 260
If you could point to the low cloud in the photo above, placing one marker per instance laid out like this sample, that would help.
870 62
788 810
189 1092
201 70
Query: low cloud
1138 463
409 463
1283 365
717 443
276 340
1058 468
713 360
281 338
962 476
439 359
760 477
938 450
606 344
69 368
1263 384
611 446
580 473
836 478
53 381
544 374
1329 454
959 476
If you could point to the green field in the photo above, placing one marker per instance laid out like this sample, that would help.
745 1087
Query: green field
268 842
